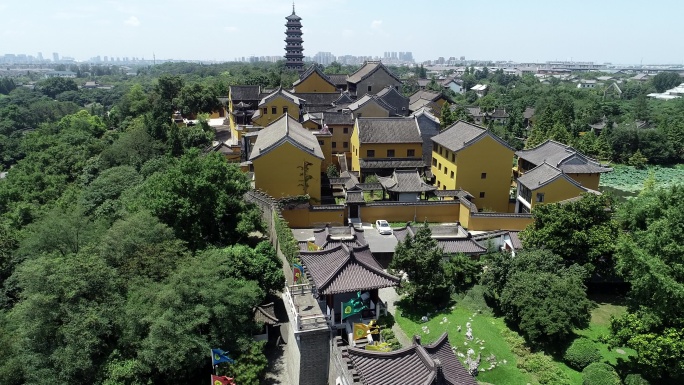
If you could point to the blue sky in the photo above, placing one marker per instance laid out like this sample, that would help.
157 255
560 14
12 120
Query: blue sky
614 31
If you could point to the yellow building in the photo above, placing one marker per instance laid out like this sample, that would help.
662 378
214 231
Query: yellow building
381 145
471 158
340 126
370 106
545 184
286 160
581 168
242 102
276 104
371 78
315 81
423 98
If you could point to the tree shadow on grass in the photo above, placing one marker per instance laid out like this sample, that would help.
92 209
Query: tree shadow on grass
416 311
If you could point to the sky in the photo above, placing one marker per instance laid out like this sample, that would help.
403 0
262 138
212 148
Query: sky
615 31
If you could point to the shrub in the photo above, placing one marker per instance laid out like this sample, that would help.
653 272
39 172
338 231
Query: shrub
635 379
581 353
599 373
544 369
389 337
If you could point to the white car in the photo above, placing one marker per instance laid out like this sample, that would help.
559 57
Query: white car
383 227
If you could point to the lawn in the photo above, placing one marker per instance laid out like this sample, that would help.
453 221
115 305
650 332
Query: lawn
490 330
485 328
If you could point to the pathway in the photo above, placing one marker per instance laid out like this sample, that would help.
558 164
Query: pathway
390 295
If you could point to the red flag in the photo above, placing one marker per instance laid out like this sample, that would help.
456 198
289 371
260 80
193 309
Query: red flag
221 380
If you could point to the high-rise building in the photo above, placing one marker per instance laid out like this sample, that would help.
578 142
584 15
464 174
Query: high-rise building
55 57
294 51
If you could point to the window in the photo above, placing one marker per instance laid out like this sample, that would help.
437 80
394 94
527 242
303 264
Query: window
320 142
330 129
345 130
265 110
410 153
396 88
453 157
334 144
482 194
370 153
284 110
483 175
369 88
274 110
439 166
435 147
390 153
345 144
540 197
525 193
434 162
439 184
452 175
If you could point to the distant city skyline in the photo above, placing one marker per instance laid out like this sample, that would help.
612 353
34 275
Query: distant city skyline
619 32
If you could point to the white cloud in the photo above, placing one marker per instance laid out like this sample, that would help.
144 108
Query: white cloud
376 24
348 33
231 29
132 21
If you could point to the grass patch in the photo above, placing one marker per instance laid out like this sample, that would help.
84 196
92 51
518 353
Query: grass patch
486 328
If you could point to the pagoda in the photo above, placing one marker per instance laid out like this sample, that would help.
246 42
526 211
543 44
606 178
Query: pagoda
294 55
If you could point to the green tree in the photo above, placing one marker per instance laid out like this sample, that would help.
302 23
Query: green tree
55 86
201 198
665 80
447 118
649 256
66 317
638 160
581 232
423 262
538 294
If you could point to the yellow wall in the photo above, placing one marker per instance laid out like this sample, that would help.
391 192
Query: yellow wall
556 191
279 102
485 156
325 142
480 222
277 173
371 110
400 151
314 83
441 212
355 144
590 181
339 137
305 217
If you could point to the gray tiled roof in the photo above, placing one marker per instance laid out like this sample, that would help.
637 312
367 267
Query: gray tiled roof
453 193
338 118
344 99
245 93
425 95
405 181
367 70
285 129
368 98
393 98
391 163
413 365
338 79
543 175
328 238
296 100
451 239
345 270
461 134
389 130
355 197
528 113
265 314
564 157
